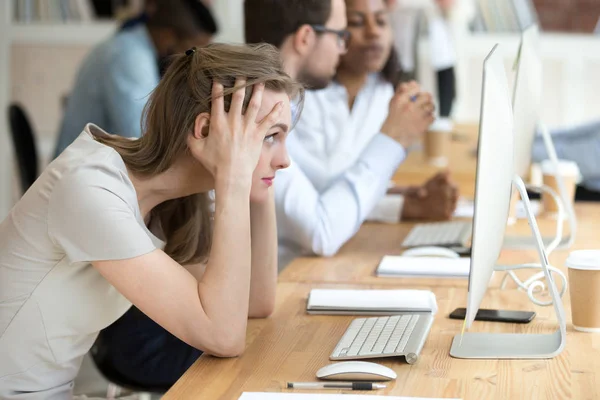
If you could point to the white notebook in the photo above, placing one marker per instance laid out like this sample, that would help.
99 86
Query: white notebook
369 302
466 209
423 267
328 396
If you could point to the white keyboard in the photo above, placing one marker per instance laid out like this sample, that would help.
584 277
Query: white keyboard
397 335
447 234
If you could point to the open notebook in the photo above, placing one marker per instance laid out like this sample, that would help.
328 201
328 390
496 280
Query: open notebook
369 302
423 267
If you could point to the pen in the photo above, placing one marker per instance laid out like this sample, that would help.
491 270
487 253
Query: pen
336 385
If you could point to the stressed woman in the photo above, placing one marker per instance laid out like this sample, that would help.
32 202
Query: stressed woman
114 222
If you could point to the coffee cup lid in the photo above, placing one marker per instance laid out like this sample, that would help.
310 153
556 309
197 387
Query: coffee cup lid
584 259
442 125
566 168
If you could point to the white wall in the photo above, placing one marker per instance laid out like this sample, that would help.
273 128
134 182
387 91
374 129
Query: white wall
571 75
230 14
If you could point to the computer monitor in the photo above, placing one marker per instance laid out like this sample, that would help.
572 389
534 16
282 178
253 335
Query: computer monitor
526 99
527 106
494 177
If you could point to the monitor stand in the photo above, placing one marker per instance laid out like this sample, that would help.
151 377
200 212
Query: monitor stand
518 345
527 242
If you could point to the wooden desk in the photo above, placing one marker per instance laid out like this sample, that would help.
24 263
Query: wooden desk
357 260
462 162
292 346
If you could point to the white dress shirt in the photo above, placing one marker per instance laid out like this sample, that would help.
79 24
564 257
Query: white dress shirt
341 167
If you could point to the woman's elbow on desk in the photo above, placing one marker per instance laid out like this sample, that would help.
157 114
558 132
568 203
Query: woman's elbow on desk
224 345
263 310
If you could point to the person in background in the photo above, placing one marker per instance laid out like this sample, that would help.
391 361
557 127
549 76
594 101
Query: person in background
345 152
407 17
115 221
116 78
581 144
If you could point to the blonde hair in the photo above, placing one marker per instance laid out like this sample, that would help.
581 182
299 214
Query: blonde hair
183 93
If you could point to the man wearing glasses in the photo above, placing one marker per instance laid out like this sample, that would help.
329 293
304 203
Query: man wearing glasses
311 35
316 211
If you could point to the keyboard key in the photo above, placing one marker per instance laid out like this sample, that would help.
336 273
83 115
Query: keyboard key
350 335
373 335
396 335
385 335
406 335
362 335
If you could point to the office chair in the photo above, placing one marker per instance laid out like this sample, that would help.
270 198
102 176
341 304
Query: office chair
117 380
24 145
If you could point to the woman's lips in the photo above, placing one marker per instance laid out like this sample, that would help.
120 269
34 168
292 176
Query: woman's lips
268 181
373 50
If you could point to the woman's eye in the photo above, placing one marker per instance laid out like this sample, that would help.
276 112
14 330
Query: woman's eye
270 138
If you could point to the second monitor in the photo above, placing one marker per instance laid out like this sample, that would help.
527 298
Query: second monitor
495 175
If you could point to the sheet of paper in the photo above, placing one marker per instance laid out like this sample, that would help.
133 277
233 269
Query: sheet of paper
466 209
367 299
324 396
401 266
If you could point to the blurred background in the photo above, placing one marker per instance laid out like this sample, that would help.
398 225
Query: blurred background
42 43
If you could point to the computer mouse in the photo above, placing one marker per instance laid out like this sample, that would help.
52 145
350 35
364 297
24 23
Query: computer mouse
431 251
356 371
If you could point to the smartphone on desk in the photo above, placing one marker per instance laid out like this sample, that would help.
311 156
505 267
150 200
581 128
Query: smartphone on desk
518 317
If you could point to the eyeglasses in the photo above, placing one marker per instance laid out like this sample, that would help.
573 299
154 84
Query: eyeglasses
343 36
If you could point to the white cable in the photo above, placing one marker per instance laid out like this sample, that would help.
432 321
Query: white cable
534 283
561 214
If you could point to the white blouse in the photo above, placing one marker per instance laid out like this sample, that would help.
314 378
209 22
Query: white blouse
341 167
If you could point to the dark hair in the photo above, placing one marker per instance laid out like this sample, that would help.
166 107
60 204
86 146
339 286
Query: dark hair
392 70
272 21
185 17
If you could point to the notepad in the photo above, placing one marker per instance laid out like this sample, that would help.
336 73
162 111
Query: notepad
329 396
369 302
423 267
466 209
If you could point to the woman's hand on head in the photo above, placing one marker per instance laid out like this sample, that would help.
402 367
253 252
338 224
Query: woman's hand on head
228 144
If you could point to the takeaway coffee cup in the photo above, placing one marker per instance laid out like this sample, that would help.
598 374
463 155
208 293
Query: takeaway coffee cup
569 172
437 141
512 212
584 286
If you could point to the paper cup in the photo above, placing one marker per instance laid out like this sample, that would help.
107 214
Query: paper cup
437 141
512 212
584 286
569 172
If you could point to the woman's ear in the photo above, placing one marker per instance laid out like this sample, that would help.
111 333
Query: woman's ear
202 125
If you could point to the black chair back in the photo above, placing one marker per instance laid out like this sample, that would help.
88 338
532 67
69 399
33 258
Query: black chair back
24 144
